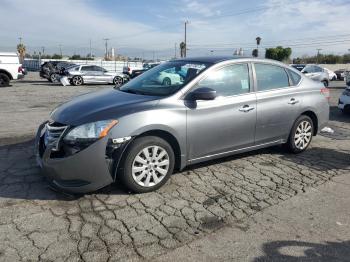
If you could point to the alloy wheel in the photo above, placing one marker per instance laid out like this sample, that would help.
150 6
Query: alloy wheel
303 135
150 166
77 81
118 81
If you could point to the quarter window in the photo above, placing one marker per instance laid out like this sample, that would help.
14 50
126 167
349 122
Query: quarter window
270 77
87 68
228 81
294 77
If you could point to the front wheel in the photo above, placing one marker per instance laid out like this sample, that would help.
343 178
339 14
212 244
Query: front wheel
148 164
53 77
77 80
166 82
301 135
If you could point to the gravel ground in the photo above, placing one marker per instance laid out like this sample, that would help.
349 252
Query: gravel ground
112 225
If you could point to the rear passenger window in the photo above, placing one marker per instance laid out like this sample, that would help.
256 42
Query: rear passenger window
294 77
228 81
270 77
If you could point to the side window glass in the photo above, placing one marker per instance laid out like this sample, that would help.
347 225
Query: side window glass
270 77
294 77
228 81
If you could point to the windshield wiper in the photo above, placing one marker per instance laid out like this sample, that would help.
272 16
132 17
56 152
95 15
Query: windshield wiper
132 91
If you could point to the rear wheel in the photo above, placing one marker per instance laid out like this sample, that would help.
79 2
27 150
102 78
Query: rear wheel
301 135
118 81
77 80
148 164
166 81
4 80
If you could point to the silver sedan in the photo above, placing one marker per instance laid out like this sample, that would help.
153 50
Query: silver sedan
91 74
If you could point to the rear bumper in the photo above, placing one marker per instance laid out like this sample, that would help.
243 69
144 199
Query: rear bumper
82 172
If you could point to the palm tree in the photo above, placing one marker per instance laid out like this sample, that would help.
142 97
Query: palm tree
21 49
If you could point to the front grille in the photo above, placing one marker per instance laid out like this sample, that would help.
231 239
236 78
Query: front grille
53 134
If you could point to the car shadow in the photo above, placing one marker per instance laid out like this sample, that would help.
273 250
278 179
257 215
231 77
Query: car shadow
333 159
296 251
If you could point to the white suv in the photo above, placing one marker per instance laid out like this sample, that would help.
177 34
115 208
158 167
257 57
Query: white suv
10 68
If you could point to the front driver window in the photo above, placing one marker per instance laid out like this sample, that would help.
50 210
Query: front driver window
228 81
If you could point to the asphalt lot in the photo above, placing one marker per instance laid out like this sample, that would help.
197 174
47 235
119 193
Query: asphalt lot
112 225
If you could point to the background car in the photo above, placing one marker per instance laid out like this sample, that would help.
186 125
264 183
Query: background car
87 74
331 75
298 67
10 68
316 73
51 70
146 67
340 74
344 101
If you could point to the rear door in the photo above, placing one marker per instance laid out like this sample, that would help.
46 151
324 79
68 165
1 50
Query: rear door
226 123
278 102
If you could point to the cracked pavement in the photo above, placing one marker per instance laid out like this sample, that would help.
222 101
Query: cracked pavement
37 223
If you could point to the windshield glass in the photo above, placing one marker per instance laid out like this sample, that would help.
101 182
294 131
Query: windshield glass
165 79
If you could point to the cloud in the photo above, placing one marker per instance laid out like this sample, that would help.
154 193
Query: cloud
218 25
72 24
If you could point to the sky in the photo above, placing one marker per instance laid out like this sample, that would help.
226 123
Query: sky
152 28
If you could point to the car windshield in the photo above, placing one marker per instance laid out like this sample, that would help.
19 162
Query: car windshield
165 79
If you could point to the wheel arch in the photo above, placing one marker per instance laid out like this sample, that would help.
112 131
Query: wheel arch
314 119
6 73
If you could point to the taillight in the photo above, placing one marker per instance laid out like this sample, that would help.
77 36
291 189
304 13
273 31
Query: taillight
20 69
129 69
326 93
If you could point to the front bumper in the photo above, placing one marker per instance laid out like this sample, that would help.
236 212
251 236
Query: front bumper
82 172
343 102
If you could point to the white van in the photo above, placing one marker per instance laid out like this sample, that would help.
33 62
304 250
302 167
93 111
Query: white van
10 68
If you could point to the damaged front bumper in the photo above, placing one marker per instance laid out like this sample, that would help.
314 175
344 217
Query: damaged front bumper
78 171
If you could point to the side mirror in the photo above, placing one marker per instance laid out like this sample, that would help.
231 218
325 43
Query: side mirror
203 93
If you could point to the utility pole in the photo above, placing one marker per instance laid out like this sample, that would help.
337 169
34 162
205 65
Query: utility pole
318 53
43 50
175 50
106 45
185 51
60 50
90 55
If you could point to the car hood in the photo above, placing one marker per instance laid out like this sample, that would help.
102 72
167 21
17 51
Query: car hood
100 105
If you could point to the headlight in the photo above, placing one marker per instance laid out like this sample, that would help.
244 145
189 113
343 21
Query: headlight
90 132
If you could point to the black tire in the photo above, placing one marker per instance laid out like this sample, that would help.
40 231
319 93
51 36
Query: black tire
291 144
325 83
166 81
118 81
77 81
53 77
346 110
134 150
4 80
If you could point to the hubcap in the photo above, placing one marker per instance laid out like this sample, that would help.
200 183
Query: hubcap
77 80
150 166
118 81
303 135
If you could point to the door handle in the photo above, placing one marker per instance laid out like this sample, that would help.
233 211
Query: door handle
293 101
246 108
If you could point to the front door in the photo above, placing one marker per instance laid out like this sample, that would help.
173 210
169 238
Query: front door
226 123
